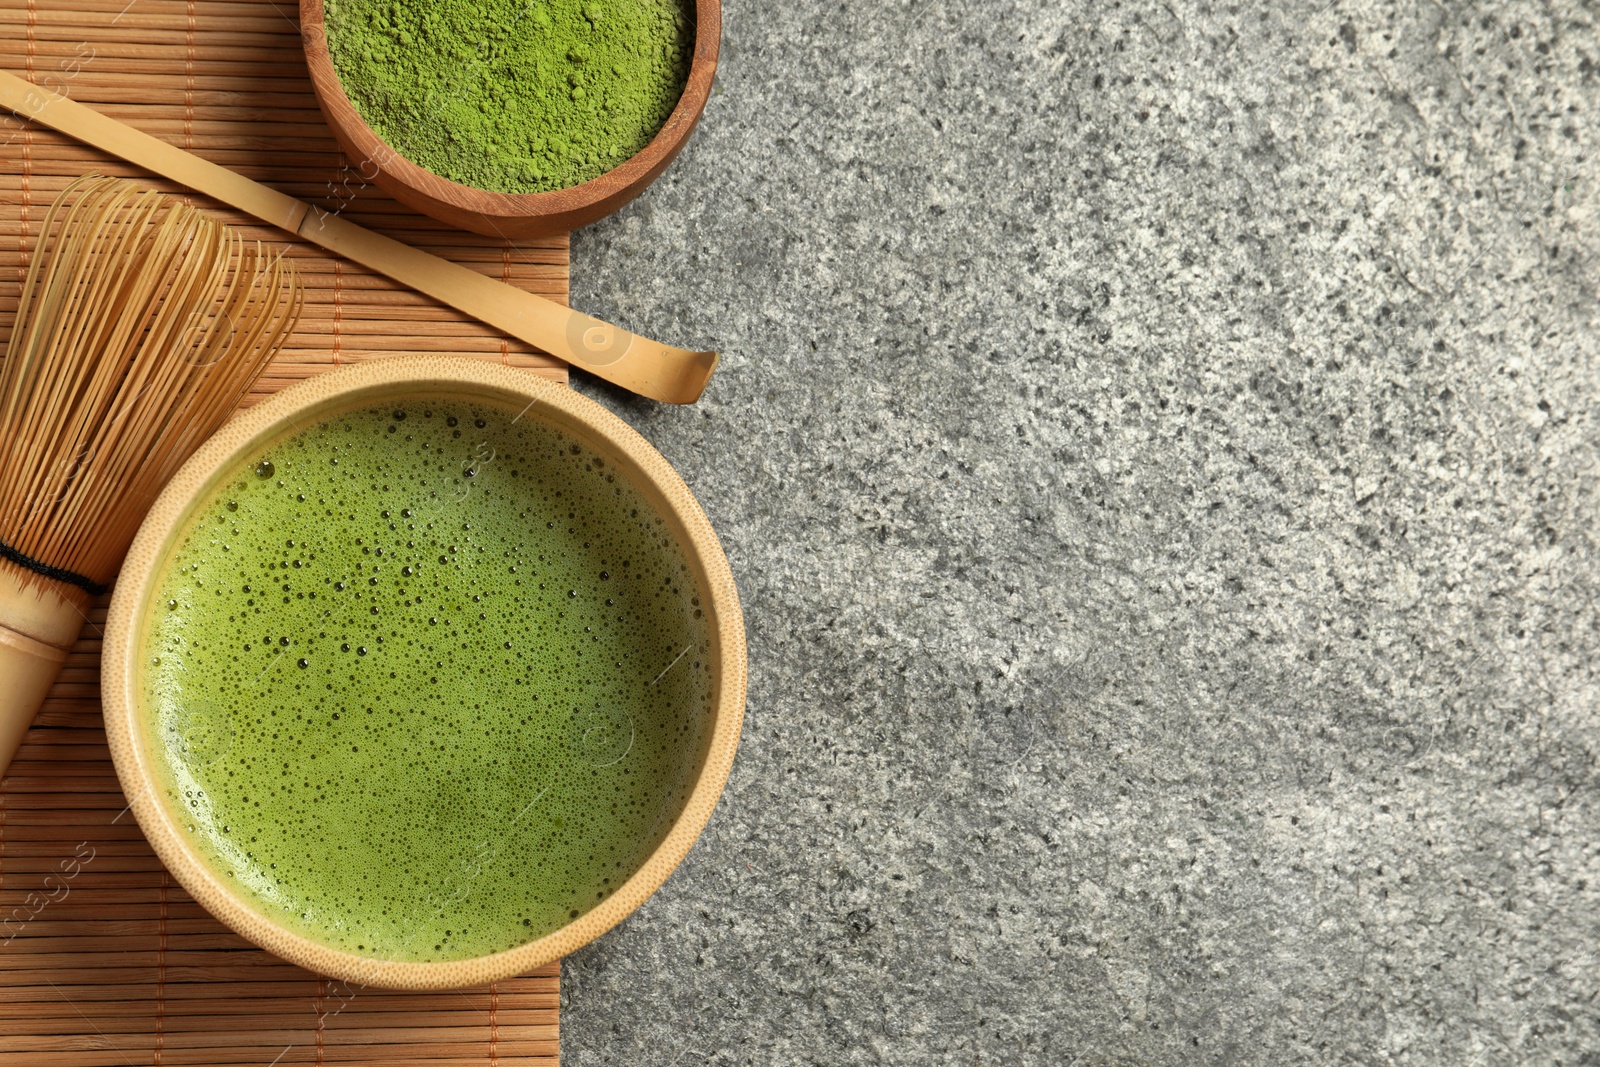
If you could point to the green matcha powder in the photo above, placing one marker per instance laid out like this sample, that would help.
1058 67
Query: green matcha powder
515 96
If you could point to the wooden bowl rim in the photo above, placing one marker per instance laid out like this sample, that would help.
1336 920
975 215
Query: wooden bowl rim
410 378
632 173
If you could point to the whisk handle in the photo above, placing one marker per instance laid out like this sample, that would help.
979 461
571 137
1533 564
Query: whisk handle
29 664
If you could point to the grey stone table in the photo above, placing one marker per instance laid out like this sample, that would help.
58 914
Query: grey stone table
1159 447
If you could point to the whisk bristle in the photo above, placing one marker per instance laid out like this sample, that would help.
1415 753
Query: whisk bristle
142 324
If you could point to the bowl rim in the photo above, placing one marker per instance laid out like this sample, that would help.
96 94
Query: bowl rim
379 380
586 201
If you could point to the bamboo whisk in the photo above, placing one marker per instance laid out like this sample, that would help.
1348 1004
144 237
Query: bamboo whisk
141 325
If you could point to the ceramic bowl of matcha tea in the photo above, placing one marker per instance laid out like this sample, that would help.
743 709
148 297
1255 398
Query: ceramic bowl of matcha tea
512 118
424 672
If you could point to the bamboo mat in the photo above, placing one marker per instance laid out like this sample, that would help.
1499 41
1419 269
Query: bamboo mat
104 960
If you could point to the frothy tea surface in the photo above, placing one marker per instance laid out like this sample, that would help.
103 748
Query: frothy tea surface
429 682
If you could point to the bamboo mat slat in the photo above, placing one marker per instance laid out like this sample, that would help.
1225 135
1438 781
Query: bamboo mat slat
114 965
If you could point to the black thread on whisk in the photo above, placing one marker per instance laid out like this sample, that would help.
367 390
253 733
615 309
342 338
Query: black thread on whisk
59 574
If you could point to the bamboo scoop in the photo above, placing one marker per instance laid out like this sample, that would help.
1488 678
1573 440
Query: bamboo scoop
646 367
141 325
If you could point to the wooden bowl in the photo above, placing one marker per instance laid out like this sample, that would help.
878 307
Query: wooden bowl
133 737
509 214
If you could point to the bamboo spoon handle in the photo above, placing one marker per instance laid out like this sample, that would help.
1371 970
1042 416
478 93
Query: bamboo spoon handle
649 368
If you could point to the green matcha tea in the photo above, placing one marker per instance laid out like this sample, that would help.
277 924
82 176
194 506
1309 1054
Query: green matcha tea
428 683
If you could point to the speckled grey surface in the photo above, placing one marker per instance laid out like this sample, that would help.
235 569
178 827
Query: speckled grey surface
1157 444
